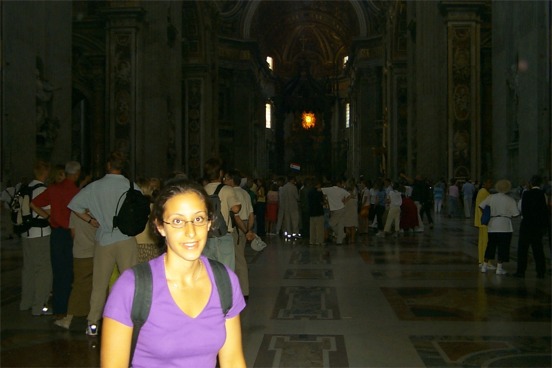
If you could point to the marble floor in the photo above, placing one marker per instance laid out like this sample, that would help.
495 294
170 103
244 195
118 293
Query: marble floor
414 301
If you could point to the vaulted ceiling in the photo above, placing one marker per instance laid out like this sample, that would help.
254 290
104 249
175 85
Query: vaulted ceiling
310 34
314 33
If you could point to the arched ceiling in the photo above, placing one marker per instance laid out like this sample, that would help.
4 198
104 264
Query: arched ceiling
299 33
315 35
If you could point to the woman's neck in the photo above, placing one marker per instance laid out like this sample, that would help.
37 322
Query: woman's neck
181 272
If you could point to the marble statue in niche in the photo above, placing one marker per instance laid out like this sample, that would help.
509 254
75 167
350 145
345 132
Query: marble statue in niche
47 125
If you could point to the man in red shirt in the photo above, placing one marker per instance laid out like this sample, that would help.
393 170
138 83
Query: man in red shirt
58 197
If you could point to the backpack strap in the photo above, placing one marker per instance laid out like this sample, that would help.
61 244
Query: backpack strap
141 304
219 187
31 191
224 285
119 201
121 197
143 291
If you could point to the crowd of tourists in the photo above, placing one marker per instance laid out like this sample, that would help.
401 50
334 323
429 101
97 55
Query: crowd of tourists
74 248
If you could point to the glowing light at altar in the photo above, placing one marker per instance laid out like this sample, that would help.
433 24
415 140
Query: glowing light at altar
309 120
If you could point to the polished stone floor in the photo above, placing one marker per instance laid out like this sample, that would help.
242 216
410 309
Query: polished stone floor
414 301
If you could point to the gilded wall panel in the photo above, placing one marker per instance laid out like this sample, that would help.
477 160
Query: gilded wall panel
461 96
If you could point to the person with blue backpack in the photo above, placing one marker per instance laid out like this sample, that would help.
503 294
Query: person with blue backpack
190 323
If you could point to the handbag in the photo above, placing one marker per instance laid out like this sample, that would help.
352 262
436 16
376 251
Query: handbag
364 211
485 215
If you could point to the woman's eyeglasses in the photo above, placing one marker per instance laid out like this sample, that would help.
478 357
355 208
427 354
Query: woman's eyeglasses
179 222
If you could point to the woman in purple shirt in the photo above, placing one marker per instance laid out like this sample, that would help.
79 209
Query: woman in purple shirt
186 326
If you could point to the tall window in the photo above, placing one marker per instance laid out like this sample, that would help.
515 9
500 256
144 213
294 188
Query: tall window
268 116
269 61
347 115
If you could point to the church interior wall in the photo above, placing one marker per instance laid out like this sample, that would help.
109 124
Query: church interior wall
411 58
521 118
503 60
57 51
36 85
370 122
429 126
19 77
243 116
179 101
160 123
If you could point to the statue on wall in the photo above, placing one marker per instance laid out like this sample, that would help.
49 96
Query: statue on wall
47 126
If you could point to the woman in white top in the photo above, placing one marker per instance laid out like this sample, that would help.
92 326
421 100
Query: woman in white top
500 229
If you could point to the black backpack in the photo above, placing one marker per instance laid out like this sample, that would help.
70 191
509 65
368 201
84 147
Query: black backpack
133 216
22 216
143 291
218 225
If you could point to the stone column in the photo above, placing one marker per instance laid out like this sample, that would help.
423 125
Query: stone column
98 137
368 102
194 119
123 86
463 91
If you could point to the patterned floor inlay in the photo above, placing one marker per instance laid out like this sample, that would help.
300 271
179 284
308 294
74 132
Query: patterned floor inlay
469 304
310 256
483 351
302 351
309 274
426 275
400 256
313 303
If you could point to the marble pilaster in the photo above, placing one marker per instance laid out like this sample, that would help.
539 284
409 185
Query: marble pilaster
123 89
463 91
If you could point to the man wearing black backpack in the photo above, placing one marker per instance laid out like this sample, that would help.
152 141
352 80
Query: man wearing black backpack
97 204
221 247
36 280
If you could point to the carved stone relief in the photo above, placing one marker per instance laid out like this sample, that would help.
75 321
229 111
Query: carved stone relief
121 73
461 40
193 141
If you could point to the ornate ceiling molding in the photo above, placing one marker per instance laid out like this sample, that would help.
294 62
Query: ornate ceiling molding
318 32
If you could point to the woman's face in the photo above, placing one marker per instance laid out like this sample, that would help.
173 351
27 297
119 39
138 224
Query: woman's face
185 225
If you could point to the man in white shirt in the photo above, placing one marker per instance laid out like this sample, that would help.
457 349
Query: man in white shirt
245 220
221 248
337 196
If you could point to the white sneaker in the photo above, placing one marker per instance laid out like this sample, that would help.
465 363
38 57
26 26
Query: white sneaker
45 311
92 329
501 271
490 266
484 268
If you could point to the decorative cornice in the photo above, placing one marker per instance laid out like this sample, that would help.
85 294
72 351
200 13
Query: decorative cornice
450 7
117 16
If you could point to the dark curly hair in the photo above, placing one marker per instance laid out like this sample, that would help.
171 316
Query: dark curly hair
170 189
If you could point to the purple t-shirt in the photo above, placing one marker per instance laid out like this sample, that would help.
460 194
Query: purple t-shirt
170 338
